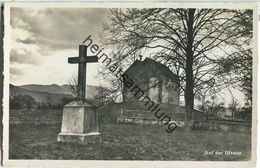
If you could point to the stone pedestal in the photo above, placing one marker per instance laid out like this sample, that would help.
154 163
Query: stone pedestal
79 123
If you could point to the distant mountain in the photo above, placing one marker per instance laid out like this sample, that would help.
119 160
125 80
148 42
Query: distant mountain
91 91
53 93
39 96
54 88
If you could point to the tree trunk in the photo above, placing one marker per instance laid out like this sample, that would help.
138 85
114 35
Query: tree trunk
189 93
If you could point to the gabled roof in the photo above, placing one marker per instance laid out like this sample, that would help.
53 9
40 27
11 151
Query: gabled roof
153 65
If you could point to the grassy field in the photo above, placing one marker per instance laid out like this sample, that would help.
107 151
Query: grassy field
33 135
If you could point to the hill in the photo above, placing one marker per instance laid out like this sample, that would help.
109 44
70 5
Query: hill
91 91
39 96
54 88
53 93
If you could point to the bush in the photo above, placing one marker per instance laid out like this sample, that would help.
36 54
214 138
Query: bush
22 102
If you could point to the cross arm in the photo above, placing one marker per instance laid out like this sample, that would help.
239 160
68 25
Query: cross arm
74 60
92 59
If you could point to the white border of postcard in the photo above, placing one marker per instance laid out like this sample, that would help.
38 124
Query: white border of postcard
106 163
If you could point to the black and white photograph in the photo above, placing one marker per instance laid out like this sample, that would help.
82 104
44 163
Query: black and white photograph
130 83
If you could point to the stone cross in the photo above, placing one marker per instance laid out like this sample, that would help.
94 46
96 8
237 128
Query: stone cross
82 60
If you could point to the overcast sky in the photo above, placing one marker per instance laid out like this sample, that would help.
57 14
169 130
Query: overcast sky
42 39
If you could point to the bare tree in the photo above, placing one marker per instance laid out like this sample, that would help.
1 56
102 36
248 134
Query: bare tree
240 63
73 85
113 85
233 107
191 42
104 95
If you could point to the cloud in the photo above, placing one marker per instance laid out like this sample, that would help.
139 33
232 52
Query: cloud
26 41
16 72
53 29
43 38
23 56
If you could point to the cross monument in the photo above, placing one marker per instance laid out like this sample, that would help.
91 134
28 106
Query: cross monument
82 60
80 118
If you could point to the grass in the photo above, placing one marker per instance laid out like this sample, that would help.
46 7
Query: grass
33 135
